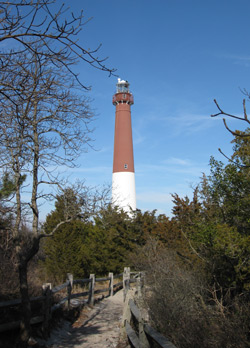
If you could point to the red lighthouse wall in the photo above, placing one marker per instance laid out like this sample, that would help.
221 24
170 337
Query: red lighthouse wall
123 143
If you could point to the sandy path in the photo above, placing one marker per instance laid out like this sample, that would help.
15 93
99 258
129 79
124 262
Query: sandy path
96 328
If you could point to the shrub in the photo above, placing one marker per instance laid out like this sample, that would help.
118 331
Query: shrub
183 307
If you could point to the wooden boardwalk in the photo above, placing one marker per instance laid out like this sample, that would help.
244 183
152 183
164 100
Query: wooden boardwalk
99 327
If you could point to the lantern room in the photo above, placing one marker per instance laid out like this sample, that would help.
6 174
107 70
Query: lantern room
122 86
123 94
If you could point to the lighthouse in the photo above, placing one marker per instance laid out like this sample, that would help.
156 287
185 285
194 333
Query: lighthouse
123 178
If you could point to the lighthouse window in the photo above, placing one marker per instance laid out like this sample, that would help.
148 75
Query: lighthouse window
125 166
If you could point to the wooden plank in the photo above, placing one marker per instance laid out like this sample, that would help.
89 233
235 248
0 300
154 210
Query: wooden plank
101 290
59 287
37 298
134 340
59 304
111 284
158 338
18 301
132 280
56 289
135 273
16 324
80 294
70 279
91 299
102 279
9 326
81 281
118 284
10 303
134 309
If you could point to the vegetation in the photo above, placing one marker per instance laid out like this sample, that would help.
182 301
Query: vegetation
184 305
216 222
45 116
197 288
197 263
96 243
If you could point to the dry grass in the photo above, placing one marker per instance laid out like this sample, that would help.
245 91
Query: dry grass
181 305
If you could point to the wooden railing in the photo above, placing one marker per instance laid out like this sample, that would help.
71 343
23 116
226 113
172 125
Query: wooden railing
138 332
48 301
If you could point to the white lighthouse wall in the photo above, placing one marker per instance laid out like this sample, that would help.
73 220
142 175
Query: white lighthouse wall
123 190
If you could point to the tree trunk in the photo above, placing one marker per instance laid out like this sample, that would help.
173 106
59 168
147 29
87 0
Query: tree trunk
35 211
25 327
24 256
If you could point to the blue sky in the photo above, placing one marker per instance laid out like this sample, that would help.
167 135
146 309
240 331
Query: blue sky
178 55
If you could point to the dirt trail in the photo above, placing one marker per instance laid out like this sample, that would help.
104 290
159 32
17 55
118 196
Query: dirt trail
95 328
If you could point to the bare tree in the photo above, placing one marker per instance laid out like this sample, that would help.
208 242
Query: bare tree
236 133
44 119
241 118
33 25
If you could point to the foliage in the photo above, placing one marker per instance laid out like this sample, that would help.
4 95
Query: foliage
7 189
216 222
8 276
242 148
228 190
115 225
197 265
44 115
99 245
7 186
64 251
184 307
72 247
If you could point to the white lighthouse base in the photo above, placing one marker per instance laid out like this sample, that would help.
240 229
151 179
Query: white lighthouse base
123 190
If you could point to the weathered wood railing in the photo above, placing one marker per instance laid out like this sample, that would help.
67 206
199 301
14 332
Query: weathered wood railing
48 293
139 333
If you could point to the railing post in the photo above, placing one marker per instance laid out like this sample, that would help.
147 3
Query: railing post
69 287
46 290
91 289
126 317
142 336
126 278
140 284
111 284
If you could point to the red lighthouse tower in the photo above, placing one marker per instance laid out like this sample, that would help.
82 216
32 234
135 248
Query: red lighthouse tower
123 179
